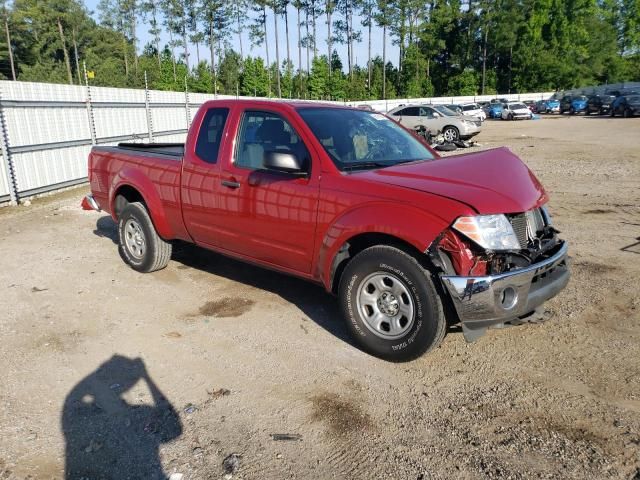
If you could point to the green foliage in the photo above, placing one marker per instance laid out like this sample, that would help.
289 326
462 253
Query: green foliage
530 45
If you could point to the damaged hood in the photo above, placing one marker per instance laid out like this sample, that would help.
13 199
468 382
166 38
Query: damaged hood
491 181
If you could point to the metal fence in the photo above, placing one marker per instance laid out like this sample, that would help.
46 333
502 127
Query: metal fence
47 130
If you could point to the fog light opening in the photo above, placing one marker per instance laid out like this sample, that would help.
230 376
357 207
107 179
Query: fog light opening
508 298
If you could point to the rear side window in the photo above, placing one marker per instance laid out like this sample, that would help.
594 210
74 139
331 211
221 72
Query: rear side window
210 135
408 112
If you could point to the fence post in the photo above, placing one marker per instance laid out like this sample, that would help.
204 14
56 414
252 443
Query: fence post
7 161
147 107
92 125
186 102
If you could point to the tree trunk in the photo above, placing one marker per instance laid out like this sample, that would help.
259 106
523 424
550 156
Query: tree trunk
510 65
350 37
266 47
213 58
384 62
315 36
328 11
185 43
134 39
275 28
299 55
173 55
239 33
198 52
6 29
158 51
370 21
484 59
307 27
75 55
286 30
64 50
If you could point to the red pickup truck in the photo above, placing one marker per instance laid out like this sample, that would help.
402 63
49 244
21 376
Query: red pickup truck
347 198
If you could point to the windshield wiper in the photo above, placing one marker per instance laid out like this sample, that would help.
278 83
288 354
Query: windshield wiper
365 165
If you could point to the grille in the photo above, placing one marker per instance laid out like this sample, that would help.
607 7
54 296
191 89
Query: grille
519 224
527 226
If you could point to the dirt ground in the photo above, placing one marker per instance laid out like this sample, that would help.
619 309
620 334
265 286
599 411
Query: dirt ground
175 371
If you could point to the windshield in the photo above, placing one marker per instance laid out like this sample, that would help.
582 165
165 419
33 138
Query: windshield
633 99
360 139
517 106
579 98
445 111
467 108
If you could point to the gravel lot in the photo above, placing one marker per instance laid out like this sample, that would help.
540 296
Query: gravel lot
175 371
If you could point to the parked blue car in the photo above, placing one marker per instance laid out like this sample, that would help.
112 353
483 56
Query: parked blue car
618 105
573 104
494 110
549 106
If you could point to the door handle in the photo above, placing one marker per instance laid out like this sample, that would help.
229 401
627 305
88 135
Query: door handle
231 183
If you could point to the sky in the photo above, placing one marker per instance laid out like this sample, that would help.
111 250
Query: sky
360 49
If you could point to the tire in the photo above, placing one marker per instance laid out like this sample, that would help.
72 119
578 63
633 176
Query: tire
572 111
450 133
139 244
612 113
627 113
382 280
446 147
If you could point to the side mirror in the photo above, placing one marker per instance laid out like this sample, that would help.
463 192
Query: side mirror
283 161
436 115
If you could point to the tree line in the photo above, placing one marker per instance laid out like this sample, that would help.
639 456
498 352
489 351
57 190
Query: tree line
446 47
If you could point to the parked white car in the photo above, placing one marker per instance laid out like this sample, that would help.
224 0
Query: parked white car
515 111
437 119
474 110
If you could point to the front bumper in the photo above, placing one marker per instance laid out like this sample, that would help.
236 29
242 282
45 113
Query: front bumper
481 302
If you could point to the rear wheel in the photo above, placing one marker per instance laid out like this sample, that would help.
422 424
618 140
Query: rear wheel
450 133
390 304
139 243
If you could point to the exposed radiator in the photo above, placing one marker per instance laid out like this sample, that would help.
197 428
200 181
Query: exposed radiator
527 226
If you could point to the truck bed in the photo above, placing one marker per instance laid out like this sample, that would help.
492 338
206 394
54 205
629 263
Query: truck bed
169 149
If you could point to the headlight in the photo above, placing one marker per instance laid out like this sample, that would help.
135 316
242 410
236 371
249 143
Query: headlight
492 232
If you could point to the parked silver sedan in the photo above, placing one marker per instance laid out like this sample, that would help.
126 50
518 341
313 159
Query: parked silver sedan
436 119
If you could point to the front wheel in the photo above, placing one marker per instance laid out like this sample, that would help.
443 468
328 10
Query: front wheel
390 304
451 134
139 243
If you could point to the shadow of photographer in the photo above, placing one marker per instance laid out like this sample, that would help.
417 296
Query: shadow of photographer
109 438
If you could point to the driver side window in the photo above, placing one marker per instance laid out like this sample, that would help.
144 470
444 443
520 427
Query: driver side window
426 112
262 132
